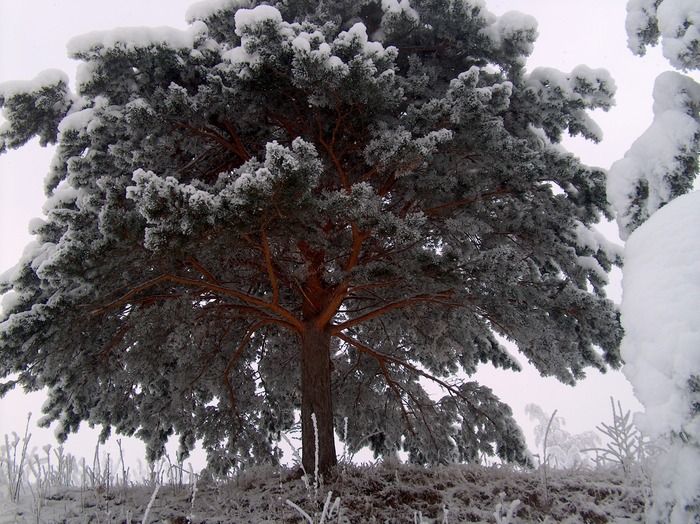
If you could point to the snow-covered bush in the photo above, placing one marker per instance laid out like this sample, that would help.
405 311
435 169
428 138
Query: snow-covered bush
661 278
627 446
560 449
660 305
662 163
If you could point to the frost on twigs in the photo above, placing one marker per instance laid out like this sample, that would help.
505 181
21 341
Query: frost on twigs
560 449
626 447
385 493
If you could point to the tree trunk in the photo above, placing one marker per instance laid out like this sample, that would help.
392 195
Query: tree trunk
316 399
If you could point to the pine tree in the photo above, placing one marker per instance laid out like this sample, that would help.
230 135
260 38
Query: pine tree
324 208
662 164
651 189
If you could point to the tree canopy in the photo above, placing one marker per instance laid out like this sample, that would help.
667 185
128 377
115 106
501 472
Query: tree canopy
315 208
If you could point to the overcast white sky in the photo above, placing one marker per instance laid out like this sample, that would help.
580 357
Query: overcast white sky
33 35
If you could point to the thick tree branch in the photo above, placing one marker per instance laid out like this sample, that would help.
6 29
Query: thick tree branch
487 196
442 299
341 291
269 307
242 152
236 147
199 267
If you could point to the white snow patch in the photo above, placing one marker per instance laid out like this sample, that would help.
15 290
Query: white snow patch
77 121
679 25
589 238
63 194
550 78
248 19
358 33
674 92
510 25
595 86
639 13
238 55
334 62
131 38
397 7
208 8
591 264
301 43
47 78
654 155
660 307
660 314
35 224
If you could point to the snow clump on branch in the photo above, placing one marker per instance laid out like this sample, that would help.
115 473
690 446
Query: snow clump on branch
658 166
660 307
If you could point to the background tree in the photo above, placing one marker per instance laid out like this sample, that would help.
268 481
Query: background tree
658 212
308 207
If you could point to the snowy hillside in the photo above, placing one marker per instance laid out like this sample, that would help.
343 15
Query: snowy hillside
390 493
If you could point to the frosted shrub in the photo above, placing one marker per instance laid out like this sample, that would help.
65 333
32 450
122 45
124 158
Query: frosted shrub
560 449
505 513
627 446
100 475
14 457
329 511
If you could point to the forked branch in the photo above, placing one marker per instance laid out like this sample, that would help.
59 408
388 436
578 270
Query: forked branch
236 147
442 299
284 317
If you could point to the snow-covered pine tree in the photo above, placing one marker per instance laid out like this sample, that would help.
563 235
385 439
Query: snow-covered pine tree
651 189
662 164
308 207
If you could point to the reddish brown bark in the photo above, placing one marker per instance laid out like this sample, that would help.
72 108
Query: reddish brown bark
316 401
318 437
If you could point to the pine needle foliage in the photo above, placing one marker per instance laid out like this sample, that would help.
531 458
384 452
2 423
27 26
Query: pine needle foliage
308 207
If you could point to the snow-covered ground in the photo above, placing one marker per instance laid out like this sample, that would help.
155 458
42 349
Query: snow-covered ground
594 477
389 492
